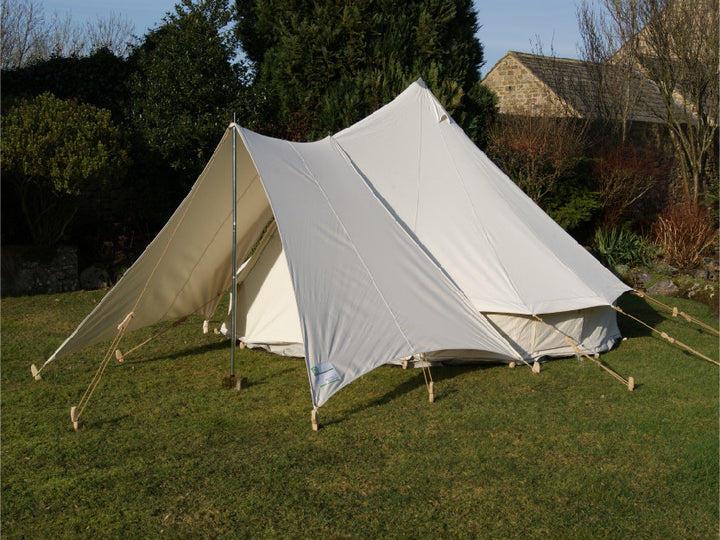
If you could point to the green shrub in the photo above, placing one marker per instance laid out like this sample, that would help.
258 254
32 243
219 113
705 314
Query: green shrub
54 150
622 246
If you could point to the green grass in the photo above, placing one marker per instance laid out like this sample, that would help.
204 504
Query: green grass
164 450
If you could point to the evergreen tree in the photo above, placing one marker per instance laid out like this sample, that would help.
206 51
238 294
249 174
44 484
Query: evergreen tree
328 63
183 93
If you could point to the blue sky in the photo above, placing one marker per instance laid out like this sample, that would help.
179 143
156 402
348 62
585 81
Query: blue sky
505 24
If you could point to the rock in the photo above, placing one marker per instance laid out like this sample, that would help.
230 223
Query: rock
94 278
639 278
700 273
664 287
621 270
713 268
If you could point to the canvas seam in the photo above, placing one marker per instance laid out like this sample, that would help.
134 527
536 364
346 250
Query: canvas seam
453 286
477 218
354 247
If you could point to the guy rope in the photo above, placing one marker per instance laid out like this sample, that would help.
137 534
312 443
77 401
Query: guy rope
629 382
76 411
667 337
676 312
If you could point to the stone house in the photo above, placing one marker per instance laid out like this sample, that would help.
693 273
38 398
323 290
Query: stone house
534 85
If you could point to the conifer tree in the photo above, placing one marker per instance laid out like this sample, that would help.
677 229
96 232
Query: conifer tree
328 64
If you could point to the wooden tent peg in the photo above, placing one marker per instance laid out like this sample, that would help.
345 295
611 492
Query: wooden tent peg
119 355
431 392
631 384
35 372
511 365
75 418
206 326
314 419
536 367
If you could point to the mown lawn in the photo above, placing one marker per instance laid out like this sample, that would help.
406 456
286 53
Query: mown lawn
164 450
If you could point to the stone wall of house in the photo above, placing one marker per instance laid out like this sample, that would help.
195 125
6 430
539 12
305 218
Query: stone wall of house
519 91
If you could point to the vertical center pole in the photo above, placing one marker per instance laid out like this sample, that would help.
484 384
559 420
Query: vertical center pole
234 253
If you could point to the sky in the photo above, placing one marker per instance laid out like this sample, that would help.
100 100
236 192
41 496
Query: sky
506 25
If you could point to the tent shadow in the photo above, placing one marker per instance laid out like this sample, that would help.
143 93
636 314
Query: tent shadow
439 374
188 351
637 307
102 423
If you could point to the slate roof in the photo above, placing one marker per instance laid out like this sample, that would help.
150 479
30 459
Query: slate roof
573 82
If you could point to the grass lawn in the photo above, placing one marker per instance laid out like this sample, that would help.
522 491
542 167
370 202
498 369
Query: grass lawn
164 450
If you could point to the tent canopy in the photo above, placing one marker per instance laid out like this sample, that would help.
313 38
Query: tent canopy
397 232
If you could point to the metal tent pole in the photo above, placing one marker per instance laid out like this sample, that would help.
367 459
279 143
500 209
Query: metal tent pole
233 316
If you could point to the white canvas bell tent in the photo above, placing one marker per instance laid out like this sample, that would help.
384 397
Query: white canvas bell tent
395 238
509 258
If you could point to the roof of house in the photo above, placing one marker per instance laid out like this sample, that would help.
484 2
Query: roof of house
574 83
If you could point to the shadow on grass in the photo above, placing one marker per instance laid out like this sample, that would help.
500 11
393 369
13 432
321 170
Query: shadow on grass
637 307
137 357
102 423
439 374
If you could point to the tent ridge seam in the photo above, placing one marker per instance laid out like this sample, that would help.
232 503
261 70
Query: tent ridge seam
451 282
354 247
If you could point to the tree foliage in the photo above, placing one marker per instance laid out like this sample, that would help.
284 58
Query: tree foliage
52 151
184 86
328 64
29 35
98 79
543 156
675 44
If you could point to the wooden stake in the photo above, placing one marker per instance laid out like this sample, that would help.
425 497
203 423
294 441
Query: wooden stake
631 384
536 367
119 355
35 372
511 365
75 418
431 392
314 419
